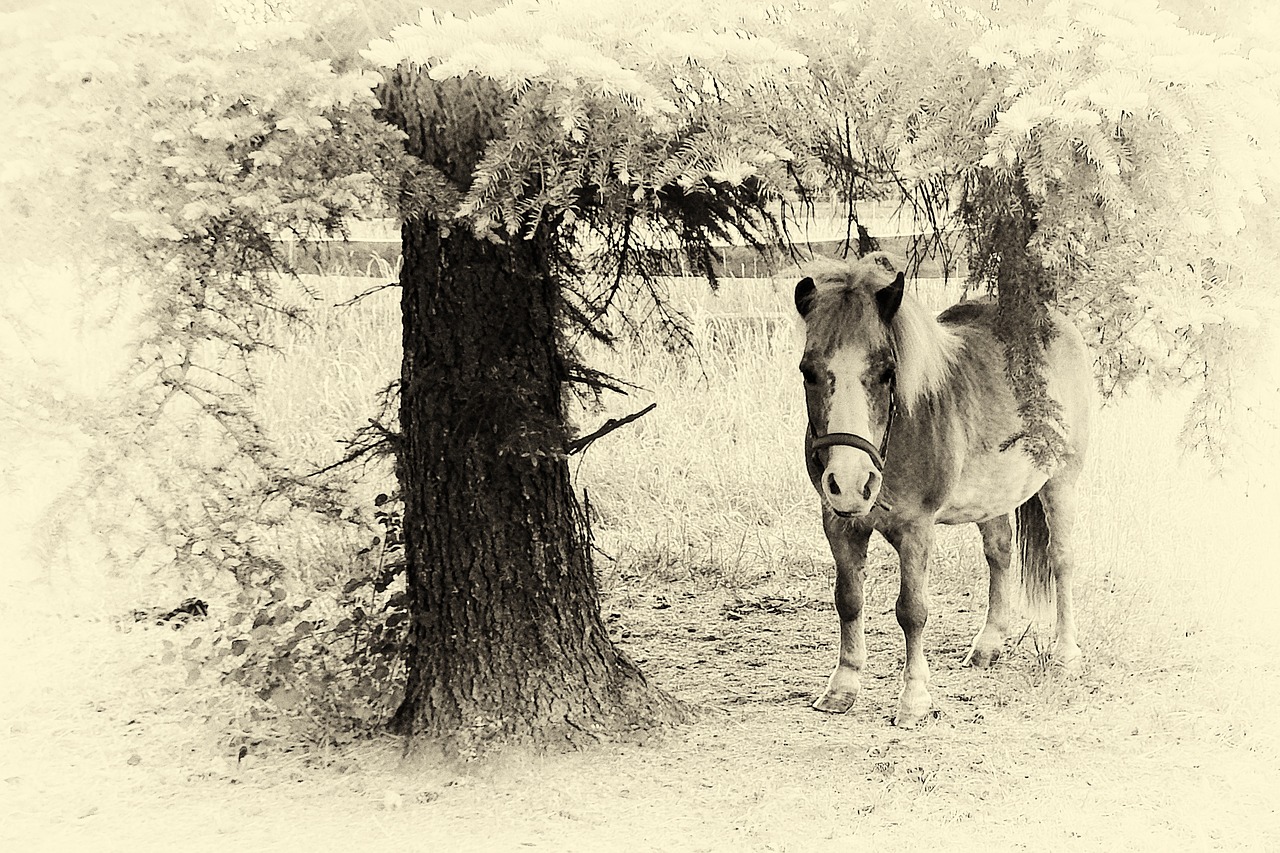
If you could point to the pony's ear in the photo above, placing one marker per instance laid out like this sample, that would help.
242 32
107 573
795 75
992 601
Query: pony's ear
889 299
804 295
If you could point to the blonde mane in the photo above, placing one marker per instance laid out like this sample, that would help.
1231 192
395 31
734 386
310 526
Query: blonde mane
926 351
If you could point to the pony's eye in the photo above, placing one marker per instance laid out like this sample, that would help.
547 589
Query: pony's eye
887 376
810 375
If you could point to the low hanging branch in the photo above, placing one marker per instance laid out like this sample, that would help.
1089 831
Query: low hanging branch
582 443
374 439
1003 217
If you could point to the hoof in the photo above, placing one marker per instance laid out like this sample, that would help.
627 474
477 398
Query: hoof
1072 667
835 703
907 719
982 658
912 707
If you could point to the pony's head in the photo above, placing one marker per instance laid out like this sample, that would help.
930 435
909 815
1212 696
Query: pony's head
868 352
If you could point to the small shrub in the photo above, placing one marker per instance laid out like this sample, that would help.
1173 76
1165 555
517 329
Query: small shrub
332 660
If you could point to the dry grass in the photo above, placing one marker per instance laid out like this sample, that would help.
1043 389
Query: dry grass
716 577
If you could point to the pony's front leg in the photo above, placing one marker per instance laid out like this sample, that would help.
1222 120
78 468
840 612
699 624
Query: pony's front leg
849 548
913 541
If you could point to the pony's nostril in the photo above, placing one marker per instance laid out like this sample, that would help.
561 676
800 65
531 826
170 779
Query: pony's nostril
872 481
832 486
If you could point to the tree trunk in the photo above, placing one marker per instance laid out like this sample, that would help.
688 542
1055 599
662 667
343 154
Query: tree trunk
507 640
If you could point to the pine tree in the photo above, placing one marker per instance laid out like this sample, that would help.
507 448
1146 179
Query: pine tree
1144 144
533 130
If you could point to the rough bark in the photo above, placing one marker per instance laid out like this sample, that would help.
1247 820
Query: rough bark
508 643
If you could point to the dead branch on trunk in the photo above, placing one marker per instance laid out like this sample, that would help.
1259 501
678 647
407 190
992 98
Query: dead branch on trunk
580 444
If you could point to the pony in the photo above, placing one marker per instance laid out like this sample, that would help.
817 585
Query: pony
913 422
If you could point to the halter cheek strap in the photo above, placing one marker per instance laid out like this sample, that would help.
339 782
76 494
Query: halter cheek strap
847 439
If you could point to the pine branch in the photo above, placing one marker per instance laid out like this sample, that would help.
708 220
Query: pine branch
596 380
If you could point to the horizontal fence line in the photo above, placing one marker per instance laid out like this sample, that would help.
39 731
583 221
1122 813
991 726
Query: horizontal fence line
882 221
837 237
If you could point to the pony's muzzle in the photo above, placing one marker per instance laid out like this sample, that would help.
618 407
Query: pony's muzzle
850 487
867 491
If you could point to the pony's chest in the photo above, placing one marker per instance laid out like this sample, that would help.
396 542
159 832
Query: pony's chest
989 485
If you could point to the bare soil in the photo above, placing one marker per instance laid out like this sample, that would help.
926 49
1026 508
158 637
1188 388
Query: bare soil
102 748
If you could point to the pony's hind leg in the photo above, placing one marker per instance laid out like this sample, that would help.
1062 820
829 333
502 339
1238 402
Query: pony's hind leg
849 548
997 545
1058 497
913 542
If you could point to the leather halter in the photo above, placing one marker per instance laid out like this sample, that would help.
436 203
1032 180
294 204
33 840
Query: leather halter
879 456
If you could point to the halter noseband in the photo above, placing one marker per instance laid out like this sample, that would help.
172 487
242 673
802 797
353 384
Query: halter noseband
847 439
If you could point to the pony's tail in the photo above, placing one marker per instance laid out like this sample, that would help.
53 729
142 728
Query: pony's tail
1031 530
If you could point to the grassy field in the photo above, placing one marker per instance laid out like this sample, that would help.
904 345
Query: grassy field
716 577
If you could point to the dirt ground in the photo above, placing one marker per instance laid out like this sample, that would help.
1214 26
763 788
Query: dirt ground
1019 755
101 749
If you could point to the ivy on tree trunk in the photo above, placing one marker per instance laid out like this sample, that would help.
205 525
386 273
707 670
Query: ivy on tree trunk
507 642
